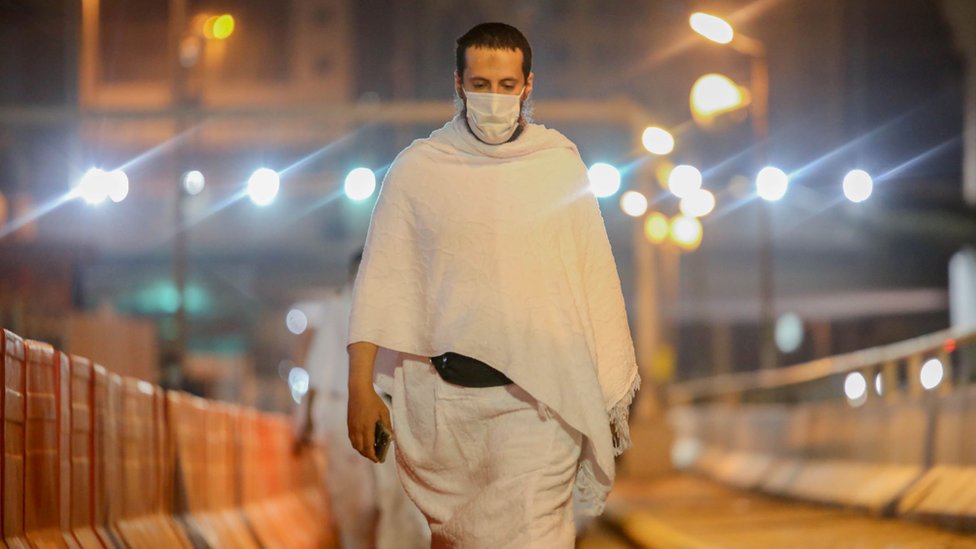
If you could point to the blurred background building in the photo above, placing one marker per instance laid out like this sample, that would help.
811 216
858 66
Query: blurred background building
189 272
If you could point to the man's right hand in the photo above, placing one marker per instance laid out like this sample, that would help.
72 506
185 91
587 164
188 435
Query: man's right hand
365 409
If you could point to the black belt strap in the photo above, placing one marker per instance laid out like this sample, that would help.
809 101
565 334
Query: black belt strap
467 372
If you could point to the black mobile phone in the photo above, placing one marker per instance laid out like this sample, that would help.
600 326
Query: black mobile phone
381 441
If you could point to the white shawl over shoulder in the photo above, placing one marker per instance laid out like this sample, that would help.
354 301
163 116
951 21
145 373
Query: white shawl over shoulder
499 252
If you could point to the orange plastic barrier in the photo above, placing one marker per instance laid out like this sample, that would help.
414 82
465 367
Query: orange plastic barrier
309 474
80 518
139 523
274 502
259 484
221 459
188 423
62 400
14 413
42 471
164 462
92 460
106 474
298 515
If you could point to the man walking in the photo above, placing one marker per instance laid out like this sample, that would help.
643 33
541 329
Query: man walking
488 278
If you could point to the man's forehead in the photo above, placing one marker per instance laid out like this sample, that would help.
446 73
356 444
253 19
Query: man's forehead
498 63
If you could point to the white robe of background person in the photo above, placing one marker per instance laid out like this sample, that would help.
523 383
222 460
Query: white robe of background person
358 489
499 252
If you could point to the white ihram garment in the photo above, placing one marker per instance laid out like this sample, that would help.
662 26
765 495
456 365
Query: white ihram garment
502 472
500 253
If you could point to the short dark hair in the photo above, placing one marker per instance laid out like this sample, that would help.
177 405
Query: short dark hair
494 36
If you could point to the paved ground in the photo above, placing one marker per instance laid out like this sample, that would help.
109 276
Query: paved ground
688 512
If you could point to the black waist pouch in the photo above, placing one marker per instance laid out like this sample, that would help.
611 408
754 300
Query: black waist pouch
467 372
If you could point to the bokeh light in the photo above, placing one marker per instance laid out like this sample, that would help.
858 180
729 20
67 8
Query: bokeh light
633 203
296 321
657 140
604 179
656 228
772 183
931 374
686 232
858 185
94 187
698 203
360 184
854 385
856 388
219 27
685 452
788 332
714 28
714 94
118 185
263 186
684 180
194 182
298 383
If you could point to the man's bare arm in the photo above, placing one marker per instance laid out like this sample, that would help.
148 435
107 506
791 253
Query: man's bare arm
365 406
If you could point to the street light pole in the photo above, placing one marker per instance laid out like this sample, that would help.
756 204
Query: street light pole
176 357
720 31
760 132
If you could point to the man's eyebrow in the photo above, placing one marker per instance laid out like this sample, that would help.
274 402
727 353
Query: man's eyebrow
483 79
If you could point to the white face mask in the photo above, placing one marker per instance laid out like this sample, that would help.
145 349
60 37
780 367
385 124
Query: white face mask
493 117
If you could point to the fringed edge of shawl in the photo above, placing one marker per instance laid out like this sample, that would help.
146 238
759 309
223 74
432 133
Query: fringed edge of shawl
593 494
620 417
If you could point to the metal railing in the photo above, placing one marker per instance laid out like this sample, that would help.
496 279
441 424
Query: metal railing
896 369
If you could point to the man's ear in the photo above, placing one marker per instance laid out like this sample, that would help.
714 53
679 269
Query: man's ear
457 85
528 84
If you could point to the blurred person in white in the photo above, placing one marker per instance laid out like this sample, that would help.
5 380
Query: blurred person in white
489 303
370 507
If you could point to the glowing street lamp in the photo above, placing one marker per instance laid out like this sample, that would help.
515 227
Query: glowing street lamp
604 179
263 185
697 204
772 183
858 185
633 203
656 228
716 94
684 180
118 185
686 232
194 182
712 27
94 187
360 184
657 140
